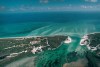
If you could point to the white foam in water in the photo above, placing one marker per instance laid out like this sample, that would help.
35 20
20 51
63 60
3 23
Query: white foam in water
84 40
68 40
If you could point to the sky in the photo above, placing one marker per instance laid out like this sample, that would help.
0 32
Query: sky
48 5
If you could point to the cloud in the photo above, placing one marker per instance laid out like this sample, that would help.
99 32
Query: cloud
87 7
69 7
43 1
2 8
91 1
47 1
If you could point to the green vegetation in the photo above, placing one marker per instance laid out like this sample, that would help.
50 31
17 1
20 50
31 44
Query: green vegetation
18 45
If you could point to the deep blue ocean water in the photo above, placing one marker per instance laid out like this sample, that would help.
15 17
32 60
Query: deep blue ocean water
48 23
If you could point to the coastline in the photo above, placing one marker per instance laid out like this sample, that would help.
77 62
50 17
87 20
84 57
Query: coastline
31 36
19 37
41 36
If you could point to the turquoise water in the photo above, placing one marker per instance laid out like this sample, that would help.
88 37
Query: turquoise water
49 23
42 29
65 53
68 55
74 24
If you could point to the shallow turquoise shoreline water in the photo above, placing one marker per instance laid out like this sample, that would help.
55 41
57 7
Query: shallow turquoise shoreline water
65 53
49 23
48 29
54 58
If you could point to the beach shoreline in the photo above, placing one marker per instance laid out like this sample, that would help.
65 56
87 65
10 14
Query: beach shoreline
31 36
42 36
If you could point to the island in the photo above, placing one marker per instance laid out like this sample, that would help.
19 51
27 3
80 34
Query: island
49 50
